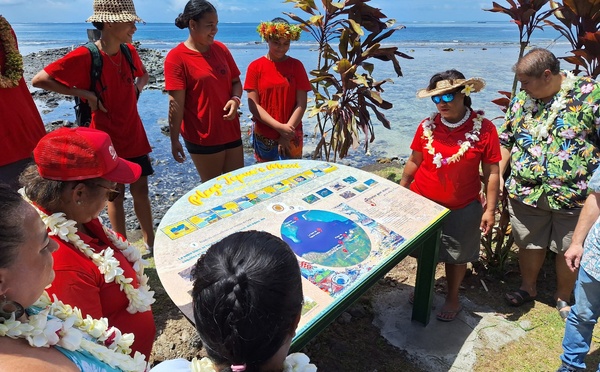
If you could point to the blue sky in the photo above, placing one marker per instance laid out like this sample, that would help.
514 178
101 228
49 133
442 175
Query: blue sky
20 11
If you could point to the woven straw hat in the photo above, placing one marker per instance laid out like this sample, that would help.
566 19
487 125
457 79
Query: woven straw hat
114 11
445 86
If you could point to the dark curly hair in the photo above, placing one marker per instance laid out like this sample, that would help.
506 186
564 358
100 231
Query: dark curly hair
247 298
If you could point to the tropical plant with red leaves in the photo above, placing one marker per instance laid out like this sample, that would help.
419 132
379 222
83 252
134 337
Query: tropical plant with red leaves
347 98
580 19
527 15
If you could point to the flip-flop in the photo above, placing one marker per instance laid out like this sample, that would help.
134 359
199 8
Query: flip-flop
560 305
448 315
518 297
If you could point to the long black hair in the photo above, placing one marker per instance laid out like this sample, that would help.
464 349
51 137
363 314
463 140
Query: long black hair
194 9
247 298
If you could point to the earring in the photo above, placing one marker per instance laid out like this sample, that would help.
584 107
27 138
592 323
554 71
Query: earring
79 202
9 308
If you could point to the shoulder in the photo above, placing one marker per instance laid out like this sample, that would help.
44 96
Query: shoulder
176 52
17 355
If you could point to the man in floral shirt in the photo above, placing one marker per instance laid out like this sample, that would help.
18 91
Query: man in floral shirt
550 137
584 254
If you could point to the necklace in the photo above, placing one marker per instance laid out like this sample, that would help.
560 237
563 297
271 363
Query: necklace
13 63
139 298
296 362
472 136
459 123
538 127
117 65
62 325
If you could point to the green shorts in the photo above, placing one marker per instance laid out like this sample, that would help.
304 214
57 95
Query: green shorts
542 227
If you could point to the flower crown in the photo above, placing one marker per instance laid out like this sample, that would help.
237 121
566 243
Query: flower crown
278 30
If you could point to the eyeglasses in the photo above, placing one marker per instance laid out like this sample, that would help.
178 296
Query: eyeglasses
448 97
111 194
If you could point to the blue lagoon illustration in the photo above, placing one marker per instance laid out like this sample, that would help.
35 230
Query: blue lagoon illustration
326 238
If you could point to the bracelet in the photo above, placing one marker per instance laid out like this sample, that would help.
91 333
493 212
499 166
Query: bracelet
237 99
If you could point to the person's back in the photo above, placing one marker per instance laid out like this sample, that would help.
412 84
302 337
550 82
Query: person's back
21 125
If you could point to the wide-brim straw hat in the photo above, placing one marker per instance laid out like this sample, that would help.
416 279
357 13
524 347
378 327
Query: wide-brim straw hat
114 11
445 86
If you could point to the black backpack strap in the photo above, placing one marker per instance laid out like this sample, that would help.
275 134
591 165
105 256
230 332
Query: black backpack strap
96 68
127 52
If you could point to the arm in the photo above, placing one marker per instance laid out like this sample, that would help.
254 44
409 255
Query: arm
505 152
44 81
141 81
410 168
588 216
491 183
176 104
301 99
231 107
285 130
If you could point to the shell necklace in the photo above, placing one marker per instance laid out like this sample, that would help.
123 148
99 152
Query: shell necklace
471 137
139 298
539 128
62 325
459 123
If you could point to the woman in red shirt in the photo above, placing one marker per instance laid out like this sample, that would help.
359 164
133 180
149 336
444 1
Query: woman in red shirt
75 173
277 87
204 88
448 150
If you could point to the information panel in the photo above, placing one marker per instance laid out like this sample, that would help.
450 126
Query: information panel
342 223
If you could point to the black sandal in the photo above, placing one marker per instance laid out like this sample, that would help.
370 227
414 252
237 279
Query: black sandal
560 305
518 297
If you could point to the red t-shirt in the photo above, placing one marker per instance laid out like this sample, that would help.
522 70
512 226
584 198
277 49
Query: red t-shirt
454 185
206 79
78 282
121 121
276 84
21 126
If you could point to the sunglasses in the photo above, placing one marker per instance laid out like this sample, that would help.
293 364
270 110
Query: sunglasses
448 97
111 194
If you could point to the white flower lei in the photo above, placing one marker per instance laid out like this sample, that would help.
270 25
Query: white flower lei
296 362
139 298
542 129
438 159
66 328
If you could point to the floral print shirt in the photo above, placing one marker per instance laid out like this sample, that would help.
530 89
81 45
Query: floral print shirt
561 164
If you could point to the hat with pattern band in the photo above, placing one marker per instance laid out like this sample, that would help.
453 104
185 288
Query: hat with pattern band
447 86
114 11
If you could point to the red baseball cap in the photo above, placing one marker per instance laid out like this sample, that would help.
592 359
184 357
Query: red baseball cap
80 153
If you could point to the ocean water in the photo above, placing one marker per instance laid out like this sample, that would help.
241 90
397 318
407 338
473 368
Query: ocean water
486 50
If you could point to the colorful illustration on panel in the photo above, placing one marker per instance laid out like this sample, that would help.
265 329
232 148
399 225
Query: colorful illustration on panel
179 229
204 218
326 238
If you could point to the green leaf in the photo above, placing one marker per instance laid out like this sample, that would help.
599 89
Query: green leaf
356 27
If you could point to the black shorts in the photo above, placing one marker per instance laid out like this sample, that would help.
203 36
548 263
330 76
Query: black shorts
207 150
144 162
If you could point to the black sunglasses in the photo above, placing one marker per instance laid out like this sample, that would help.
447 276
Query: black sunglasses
111 194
